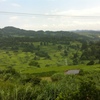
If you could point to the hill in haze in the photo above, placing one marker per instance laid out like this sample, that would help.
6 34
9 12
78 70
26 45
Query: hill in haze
89 33
80 34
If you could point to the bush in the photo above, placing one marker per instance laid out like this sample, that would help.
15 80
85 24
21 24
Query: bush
34 63
81 72
88 91
31 79
75 61
42 54
91 62
57 76
36 80
12 71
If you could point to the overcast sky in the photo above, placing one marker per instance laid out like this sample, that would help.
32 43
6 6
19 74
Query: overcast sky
73 13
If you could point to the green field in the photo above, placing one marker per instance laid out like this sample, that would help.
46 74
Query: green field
57 63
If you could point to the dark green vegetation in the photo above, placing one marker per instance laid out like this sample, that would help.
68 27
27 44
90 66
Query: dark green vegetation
33 65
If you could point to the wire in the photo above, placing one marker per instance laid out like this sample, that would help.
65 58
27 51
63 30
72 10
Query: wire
18 13
52 15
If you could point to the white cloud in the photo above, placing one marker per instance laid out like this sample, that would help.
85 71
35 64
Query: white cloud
70 22
3 0
85 12
13 19
60 22
33 17
45 26
15 5
27 26
55 23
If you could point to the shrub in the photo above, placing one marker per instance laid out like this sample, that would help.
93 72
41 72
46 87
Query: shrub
34 63
31 79
36 80
88 91
91 62
81 72
12 71
42 54
57 76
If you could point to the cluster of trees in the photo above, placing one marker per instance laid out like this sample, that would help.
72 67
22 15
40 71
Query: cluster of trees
91 52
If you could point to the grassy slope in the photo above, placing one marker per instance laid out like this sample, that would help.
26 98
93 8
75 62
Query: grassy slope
20 60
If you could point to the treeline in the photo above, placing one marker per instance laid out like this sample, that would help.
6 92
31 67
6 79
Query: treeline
89 50
16 32
28 42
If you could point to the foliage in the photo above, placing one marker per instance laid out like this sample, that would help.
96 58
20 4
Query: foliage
34 63
63 87
88 91
57 76
30 79
91 62
42 54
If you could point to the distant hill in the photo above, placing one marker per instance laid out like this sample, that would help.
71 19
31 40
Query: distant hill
17 32
89 33
12 31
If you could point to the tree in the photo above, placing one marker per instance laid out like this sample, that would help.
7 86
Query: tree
75 55
65 53
41 43
75 61
84 45
59 47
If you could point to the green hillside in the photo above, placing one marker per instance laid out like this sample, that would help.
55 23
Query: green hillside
33 65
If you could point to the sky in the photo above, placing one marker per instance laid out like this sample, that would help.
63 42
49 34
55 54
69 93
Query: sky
51 14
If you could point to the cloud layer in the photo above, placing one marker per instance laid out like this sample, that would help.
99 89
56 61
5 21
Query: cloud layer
68 15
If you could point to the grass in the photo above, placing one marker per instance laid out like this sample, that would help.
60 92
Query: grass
62 69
